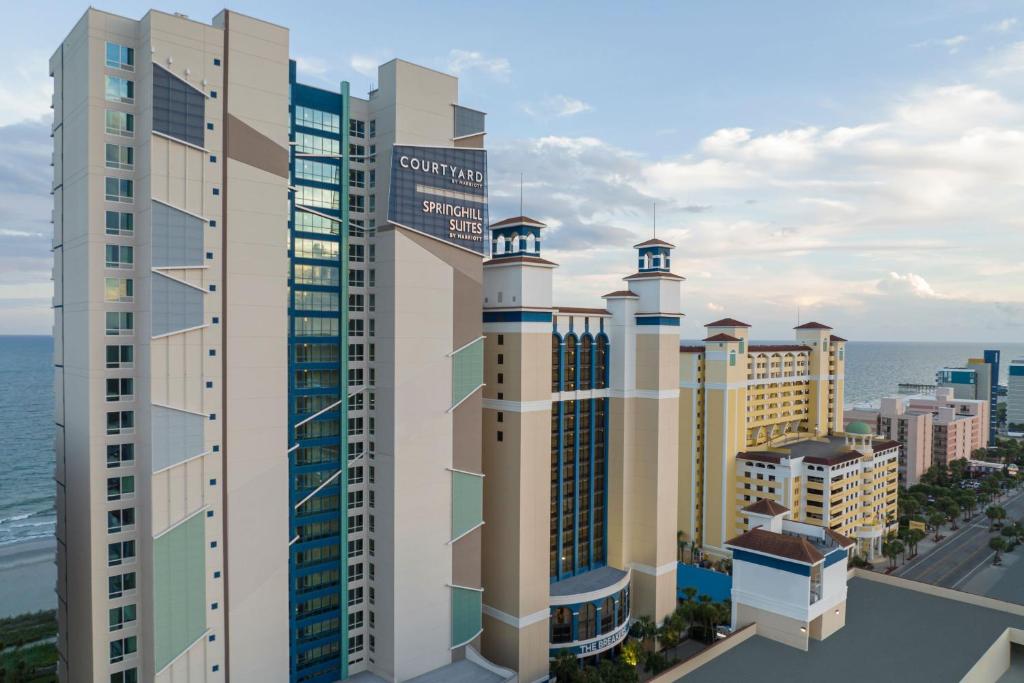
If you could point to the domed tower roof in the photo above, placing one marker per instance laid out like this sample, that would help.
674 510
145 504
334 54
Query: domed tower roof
858 428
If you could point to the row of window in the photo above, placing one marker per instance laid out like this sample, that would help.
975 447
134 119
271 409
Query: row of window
579 364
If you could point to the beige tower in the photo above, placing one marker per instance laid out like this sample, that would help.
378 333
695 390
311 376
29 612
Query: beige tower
643 455
517 449
822 388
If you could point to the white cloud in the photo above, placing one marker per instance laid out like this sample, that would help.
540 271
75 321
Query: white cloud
1008 62
24 92
954 43
365 65
463 61
557 105
1004 25
909 283
715 307
311 66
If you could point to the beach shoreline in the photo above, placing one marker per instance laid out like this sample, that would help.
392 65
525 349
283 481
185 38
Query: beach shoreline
28 576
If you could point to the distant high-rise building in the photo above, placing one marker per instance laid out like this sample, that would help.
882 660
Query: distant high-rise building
268 376
977 380
1015 395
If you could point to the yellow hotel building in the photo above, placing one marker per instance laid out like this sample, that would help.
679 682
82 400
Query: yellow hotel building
603 438
759 421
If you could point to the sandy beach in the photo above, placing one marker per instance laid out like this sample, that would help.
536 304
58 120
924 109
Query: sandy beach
27 577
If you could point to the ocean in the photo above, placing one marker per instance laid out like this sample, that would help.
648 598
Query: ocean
26 413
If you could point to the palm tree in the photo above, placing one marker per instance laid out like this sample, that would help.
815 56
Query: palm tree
914 536
632 651
892 550
1009 532
680 544
935 520
645 630
999 545
995 513
952 511
565 667
690 592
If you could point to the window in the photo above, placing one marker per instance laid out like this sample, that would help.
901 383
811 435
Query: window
122 615
316 301
316 327
120 356
120 487
355 643
119 190
561 626
356 129
120 57
306 143
121 422
120 223
118 290
120 584
356 202
587 626
120 520
373 128
311 222
120 389
319 171
120 455
120 123
314 118
121 648
467 370
119 256
356 278
356 253
373 178
119 553
120 323
126 676
310 248
356 178
119 89
357 151
121 157
306 274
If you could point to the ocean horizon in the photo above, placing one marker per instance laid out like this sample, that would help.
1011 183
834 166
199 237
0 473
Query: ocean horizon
27 511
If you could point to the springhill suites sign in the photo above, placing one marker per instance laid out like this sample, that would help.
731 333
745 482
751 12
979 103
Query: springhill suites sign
440 191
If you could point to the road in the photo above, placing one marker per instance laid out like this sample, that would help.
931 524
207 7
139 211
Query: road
956 559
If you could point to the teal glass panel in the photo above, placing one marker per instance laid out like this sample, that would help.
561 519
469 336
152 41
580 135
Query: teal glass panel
466 619
467 370
467 502
179 589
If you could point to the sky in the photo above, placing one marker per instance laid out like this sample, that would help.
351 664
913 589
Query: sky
859 163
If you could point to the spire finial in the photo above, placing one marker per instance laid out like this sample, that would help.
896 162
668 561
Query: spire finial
654 219
521 193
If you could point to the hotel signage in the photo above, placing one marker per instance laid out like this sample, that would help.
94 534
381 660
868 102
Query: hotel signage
599 644
440 191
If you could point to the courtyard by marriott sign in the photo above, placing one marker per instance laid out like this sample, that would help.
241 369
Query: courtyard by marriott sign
441 192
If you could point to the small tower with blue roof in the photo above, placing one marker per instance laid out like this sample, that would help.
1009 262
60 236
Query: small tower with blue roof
654 256
519 236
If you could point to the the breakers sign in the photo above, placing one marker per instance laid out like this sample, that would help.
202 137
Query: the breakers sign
440 191
599 644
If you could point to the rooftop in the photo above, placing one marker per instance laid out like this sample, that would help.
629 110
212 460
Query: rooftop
766 506
519 220
721 337
796 548
829 451
727 322
812 326
654 242
899 628
587 582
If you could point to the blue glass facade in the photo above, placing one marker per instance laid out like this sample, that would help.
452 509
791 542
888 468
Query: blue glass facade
318 368
992 358
579 454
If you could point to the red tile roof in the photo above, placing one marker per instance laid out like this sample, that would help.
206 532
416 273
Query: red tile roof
780 545
721 337
519 220
833 458
727 322
844 541
884 445
655 242
777 347
767 506
812 326
761 456
620 293
837 338
691 349
582 311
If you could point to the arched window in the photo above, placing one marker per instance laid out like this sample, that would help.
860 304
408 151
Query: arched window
587 625
608 615
514 244
556 362
570 362
561 626
499 245
531 243
586 353
601 363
